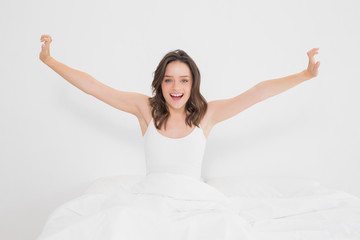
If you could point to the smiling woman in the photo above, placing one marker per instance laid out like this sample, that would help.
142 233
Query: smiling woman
172 201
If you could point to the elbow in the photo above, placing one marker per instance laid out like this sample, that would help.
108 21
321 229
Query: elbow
89 89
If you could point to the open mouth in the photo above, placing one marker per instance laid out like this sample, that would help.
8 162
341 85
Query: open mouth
176 97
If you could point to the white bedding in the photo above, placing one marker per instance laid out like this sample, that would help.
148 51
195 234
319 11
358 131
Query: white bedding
170 206
293 208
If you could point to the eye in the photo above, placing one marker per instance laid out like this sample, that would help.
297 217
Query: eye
185 80
166 80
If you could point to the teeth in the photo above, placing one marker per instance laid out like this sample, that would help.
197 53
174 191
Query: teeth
176 95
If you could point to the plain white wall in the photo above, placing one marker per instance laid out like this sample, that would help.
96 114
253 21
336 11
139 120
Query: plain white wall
56 140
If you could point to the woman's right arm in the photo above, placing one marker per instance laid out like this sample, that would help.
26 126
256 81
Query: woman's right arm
130 102
79 79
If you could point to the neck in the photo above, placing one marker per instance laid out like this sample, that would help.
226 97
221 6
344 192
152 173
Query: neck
177 114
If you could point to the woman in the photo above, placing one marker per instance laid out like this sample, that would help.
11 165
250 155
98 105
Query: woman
177 117
203 113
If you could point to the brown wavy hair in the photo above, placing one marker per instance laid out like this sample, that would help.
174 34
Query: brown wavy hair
196 105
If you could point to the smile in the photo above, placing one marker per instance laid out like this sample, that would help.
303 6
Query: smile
176 97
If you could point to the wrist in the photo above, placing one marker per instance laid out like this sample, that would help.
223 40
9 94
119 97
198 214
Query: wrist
47 60
306 75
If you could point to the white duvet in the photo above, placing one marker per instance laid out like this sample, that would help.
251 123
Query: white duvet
160 206
170 206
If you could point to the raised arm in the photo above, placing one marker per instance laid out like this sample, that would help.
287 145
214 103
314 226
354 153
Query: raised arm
130 102
220 110
273 87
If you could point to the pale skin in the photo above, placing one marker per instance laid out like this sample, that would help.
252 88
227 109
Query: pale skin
177 79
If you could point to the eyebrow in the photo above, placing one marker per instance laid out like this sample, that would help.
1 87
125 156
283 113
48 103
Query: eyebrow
172 76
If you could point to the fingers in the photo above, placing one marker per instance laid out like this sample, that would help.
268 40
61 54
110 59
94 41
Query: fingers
313 66
45 35
47 38
312 52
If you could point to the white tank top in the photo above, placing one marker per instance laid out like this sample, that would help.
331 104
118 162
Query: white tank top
174 155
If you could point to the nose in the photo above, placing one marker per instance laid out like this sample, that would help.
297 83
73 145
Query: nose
176 86
177 90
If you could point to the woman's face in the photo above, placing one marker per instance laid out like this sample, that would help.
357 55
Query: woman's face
177 81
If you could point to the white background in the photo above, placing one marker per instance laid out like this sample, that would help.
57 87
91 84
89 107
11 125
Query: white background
55 140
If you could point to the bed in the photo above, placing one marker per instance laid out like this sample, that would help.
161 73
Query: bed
290 208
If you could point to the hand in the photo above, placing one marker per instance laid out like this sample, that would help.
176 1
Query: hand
45 48
312 69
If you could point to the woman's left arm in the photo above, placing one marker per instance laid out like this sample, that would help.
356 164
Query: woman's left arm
273 87
220 110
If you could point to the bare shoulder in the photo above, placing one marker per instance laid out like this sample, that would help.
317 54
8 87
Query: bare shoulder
223 109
